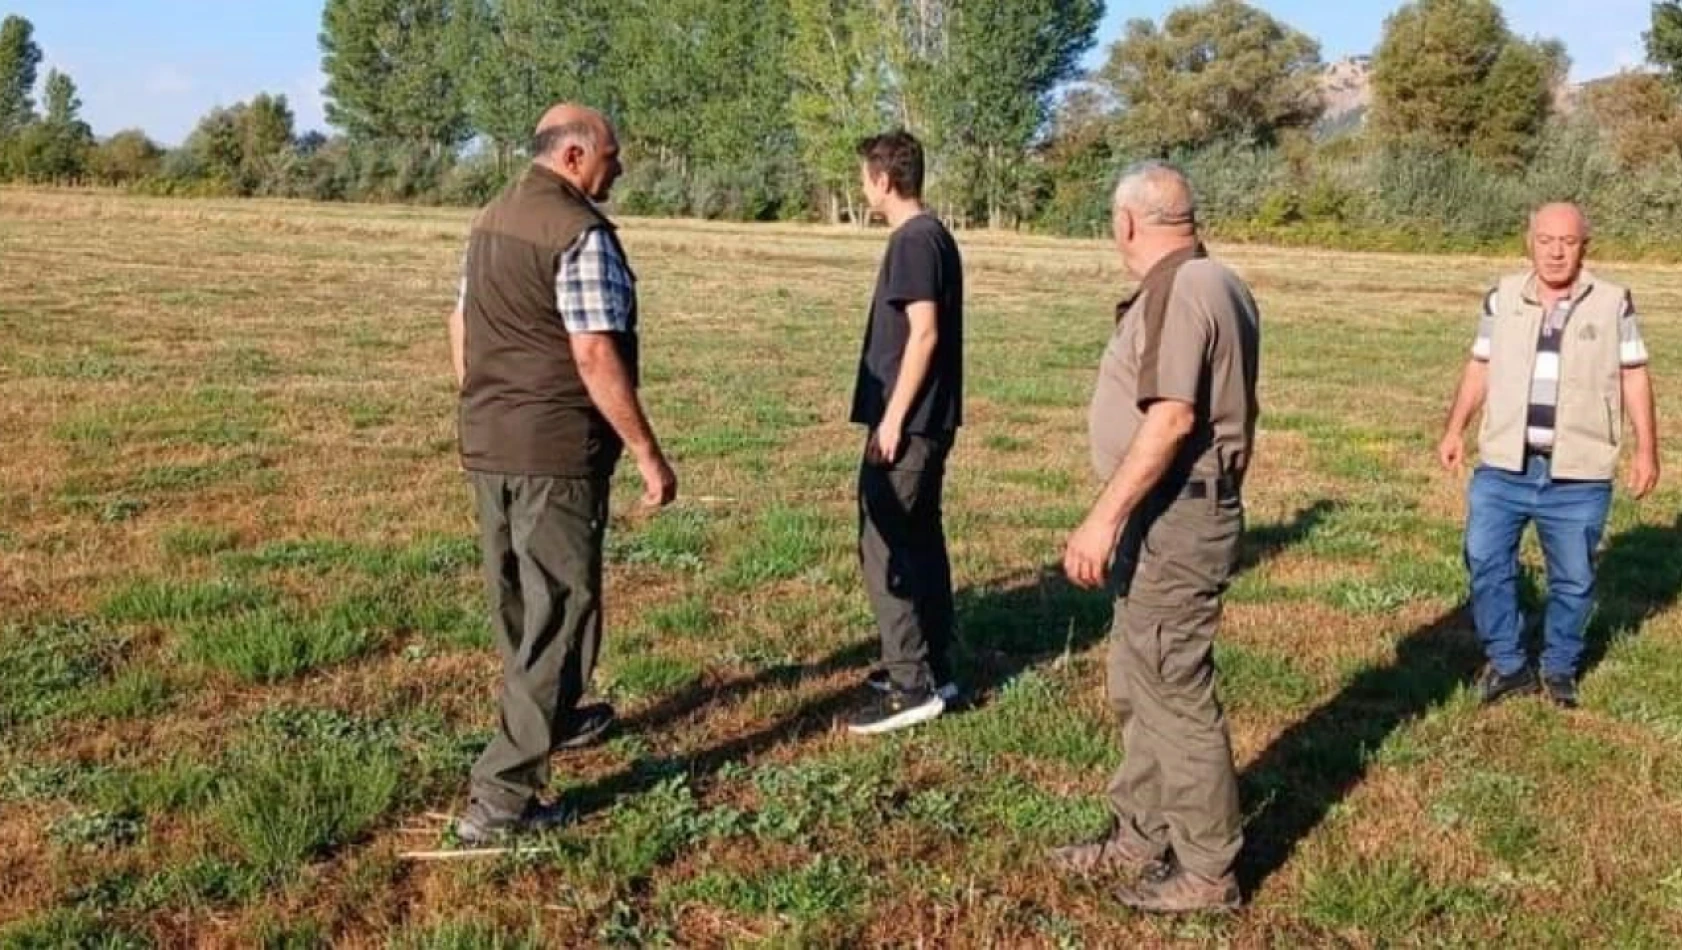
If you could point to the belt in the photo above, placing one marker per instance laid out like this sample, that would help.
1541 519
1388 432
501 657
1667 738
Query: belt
1224 488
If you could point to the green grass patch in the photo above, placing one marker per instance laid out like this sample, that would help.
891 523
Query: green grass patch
96 830
644 675
826 886
286 802
1033 815
45 667
1006 443
1036 716
1383 901
671 540
271 644
691 617
70 927
133 692
178 477
161 600
1251 678
787 543
191 540
1496 808
1640 682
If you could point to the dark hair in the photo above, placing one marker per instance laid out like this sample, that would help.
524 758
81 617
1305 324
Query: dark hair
898 155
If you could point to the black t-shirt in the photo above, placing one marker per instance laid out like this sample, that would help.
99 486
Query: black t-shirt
921 263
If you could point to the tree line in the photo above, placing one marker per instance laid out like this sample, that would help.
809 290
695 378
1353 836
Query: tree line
749 109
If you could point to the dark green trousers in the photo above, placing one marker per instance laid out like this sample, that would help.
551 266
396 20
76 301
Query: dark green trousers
541 538
1176 787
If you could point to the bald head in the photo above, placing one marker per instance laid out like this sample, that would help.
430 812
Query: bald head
1158 196
579 144
569 122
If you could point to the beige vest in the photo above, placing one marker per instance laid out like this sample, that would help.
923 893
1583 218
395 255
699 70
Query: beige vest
1589 419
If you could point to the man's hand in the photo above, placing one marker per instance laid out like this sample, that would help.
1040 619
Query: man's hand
1086 558
1451 451
659 482
1644 474
884 445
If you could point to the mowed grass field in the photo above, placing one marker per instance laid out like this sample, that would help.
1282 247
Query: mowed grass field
244 664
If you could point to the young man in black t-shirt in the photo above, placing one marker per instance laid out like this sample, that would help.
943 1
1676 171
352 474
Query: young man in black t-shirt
909 396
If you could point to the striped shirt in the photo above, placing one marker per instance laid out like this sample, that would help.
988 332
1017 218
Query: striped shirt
595 291
1544 380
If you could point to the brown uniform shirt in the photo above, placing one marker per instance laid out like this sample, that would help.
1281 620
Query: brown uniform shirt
1191 333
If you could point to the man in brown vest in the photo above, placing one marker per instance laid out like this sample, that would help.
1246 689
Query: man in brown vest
1557 366
544 339
1172 424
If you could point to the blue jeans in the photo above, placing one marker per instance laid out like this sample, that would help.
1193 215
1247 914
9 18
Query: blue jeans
1570 518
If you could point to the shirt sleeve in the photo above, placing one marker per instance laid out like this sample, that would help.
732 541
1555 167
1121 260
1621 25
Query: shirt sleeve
1174 352
1632 349
913 269
1482 345
593 288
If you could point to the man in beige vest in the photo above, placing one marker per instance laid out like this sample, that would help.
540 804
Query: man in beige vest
1557 367
1172 422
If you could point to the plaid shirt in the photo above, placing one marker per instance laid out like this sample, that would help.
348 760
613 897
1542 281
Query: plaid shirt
595 291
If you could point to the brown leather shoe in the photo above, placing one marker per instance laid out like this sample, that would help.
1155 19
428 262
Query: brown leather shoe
1166 888
1112 855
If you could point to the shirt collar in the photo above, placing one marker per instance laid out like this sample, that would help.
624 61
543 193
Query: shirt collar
1154 276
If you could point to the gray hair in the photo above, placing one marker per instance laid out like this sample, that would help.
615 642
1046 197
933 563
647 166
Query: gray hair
1582 216
1158 193
581 132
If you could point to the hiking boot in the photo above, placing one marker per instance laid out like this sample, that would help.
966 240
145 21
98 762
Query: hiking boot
881 682
586 726
1561 688
1167 888
896 709
482 824
1493 687
1111 855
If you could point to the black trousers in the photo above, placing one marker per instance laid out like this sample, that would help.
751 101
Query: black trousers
902 551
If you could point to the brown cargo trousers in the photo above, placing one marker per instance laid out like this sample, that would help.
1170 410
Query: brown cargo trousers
1177 787
541 539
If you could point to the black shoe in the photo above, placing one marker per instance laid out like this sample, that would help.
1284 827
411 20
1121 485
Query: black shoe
1561 688
483 824
1493 687
881 682
586 726
896 709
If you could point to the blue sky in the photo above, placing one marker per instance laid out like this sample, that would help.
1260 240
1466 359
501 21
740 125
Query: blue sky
161 64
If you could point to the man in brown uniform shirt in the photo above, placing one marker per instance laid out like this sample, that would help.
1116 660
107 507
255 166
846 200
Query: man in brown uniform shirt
1172 423
544 340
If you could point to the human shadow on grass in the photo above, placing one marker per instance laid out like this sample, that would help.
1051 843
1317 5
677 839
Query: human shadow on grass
1315 764
1007 625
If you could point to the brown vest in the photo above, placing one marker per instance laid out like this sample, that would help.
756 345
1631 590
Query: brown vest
524 408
